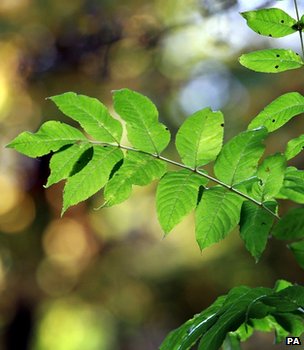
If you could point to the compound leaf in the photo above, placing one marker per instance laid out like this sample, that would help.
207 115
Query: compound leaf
176 196
271 174
239 157
255 226
199 139
92 177
293 185
91 114
279 112
297 249
216 215
271 22
62 163
137 169
271 60
291 225
51 136
294 147
141 115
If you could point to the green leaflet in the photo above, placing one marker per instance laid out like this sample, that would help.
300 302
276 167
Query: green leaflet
184 337
271 22
51 136
92 177
239 157
137 169
255 226
232 342
279 112
176 196
199 139
271 175
141 115
297 249
291 226
91 114
293 185
216 215
63 162
294 147
243 308
271 60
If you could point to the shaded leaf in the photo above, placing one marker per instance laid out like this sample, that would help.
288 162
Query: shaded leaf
176 196
297 249
291 225
51 136
199 139
271 22
141 116
92 177
62 162
255 226
271 174
279 112
293 185
294 147
91 114
271 60
216 215
239 157
137 169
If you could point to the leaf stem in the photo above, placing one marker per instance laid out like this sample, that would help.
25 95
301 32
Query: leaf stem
300 28
195 170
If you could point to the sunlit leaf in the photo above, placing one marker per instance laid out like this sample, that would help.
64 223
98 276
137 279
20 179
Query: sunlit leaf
51 136
271 22
279 112
63 162
91 114
137 169
239 157
176 196
271 60
92 177
271 174
216 215
141 115
293 185
297 249
199 139
294 147
255 226
291 225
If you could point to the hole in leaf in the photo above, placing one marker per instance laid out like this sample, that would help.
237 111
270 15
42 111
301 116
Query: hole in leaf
276 67
166 128
278 55
270 35
222 125
273 120
282 21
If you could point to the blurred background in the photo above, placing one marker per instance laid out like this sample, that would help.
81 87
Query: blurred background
107 280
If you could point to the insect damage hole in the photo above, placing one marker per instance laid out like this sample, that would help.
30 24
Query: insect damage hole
282 21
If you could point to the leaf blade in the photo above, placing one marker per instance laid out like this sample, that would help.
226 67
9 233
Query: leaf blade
199 139
51 136
141 116
92 177
239 157
216 215
272 22
291 225
91 114
176 196
279 112
271 60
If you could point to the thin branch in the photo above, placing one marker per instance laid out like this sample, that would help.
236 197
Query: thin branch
299 26
195 170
